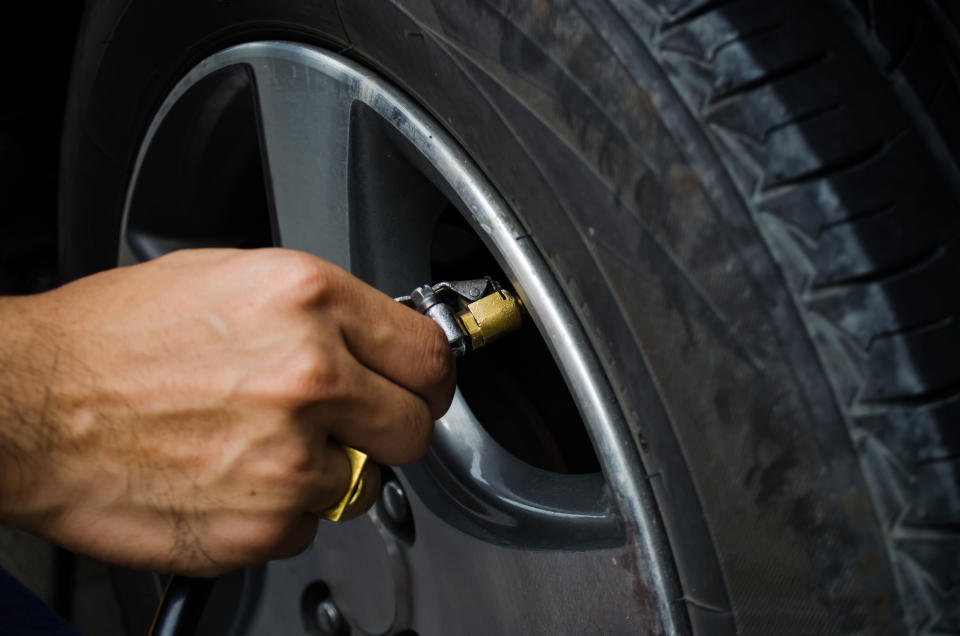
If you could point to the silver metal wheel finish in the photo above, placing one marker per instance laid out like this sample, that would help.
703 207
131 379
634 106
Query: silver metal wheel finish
615 572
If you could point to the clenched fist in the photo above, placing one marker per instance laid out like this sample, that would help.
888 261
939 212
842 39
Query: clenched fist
187 414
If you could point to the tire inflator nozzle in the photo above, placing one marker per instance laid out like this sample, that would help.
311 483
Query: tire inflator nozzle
473 313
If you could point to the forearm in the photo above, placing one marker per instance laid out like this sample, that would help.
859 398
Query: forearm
30 426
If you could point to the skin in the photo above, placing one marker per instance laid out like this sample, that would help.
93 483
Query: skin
186 414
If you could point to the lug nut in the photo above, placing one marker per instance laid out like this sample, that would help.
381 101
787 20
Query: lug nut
395 502
320 615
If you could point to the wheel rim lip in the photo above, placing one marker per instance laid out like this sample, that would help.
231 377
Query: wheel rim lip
534 282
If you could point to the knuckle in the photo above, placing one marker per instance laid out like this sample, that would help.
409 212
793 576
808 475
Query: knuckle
295 459
309 279
262 539
297 537
292 275
285 463
280 535
315 376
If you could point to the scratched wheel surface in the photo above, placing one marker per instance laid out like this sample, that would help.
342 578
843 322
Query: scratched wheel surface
731 410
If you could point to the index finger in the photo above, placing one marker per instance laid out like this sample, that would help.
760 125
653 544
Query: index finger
398 343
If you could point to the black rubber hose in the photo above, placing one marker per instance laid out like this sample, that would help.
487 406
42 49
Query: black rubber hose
181 606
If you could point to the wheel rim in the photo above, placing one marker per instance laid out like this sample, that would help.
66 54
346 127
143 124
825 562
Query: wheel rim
484 520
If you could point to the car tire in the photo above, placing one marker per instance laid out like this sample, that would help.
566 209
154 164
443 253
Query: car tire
752 208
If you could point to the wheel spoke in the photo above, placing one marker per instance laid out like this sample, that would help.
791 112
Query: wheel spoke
304 128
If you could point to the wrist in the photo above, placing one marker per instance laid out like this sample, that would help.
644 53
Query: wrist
30 423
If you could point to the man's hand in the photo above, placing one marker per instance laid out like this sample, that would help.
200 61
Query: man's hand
187 414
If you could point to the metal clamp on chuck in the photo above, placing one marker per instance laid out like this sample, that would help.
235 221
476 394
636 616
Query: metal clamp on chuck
472 313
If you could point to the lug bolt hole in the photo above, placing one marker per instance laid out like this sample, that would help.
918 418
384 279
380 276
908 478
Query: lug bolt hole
320 615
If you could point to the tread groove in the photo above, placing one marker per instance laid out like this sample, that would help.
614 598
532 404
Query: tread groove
923 398
893 272
946 459
906 531
897 59
870 18
847 164
928 325
799 66
951 36
936 94
685 18
862 215
816 113
747 35
950 63
704 606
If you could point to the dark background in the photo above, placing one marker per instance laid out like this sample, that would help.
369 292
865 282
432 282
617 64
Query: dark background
37 48
37 44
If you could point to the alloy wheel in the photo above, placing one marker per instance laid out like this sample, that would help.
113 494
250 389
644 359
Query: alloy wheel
286 144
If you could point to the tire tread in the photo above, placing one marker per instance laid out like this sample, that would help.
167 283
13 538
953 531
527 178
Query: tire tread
770 81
